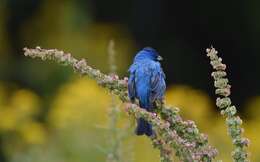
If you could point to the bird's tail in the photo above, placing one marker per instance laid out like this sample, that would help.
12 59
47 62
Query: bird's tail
143 127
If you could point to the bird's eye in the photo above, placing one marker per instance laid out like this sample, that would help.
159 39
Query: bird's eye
159 58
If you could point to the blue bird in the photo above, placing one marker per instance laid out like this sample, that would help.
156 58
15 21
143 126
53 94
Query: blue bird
147 84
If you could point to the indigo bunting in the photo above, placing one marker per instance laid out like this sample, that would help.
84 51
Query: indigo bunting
147 84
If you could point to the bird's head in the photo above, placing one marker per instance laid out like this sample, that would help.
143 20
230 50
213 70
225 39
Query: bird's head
148 53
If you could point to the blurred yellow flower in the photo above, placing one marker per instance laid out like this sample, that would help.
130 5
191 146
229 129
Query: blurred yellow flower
252 132
252 126
194 104
33 133
17 109
81 102
8 119
218 137
25 102
16 115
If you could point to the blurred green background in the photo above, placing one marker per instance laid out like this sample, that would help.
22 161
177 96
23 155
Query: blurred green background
49 114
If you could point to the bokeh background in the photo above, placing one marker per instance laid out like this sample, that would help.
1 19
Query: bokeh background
47 113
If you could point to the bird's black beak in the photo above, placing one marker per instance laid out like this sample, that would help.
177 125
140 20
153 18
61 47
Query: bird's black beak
159 58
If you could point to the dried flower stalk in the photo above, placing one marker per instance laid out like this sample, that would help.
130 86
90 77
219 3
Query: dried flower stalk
224 103
116 135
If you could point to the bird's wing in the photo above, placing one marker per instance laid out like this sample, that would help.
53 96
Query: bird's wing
131 83
158 85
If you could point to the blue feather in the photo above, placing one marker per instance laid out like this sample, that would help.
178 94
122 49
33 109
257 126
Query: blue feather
147 84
